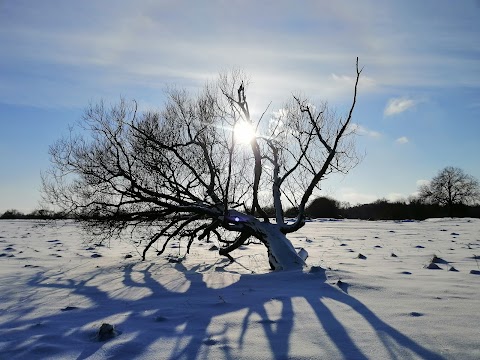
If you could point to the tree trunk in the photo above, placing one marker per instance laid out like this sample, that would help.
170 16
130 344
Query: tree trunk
450 209
281 253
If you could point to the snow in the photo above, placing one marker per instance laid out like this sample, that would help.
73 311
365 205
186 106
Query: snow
56 291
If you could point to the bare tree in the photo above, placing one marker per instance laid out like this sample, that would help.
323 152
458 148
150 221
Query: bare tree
451 187
186 172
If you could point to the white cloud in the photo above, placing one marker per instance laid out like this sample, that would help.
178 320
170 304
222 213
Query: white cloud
419 183
398 105
392 197
343 78
365 82
353 197
402 140
361 130
123 51
422 182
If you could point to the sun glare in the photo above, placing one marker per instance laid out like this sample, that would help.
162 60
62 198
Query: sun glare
244 132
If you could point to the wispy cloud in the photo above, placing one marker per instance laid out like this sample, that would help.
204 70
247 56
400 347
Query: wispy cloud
402 140
143 46
398 105
366 82
361 130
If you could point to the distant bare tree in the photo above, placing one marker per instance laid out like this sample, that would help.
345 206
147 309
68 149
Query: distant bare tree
450 187
201 168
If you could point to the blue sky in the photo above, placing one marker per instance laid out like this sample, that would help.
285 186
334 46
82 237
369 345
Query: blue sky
418 108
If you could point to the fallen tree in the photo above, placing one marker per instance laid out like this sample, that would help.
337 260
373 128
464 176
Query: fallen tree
201 168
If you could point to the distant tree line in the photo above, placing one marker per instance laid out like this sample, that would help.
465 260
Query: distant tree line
383 209
41 214
415 209
451 193
325 207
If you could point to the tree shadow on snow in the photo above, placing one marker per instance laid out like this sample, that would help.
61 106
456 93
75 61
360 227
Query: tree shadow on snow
188 318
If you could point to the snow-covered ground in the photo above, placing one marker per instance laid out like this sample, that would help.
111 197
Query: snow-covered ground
56 290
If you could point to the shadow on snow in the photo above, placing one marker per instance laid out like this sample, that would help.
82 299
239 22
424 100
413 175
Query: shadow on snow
183 318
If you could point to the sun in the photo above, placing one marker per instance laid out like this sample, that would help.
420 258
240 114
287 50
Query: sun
244 132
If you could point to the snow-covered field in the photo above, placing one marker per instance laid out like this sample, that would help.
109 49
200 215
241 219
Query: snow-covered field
56 290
